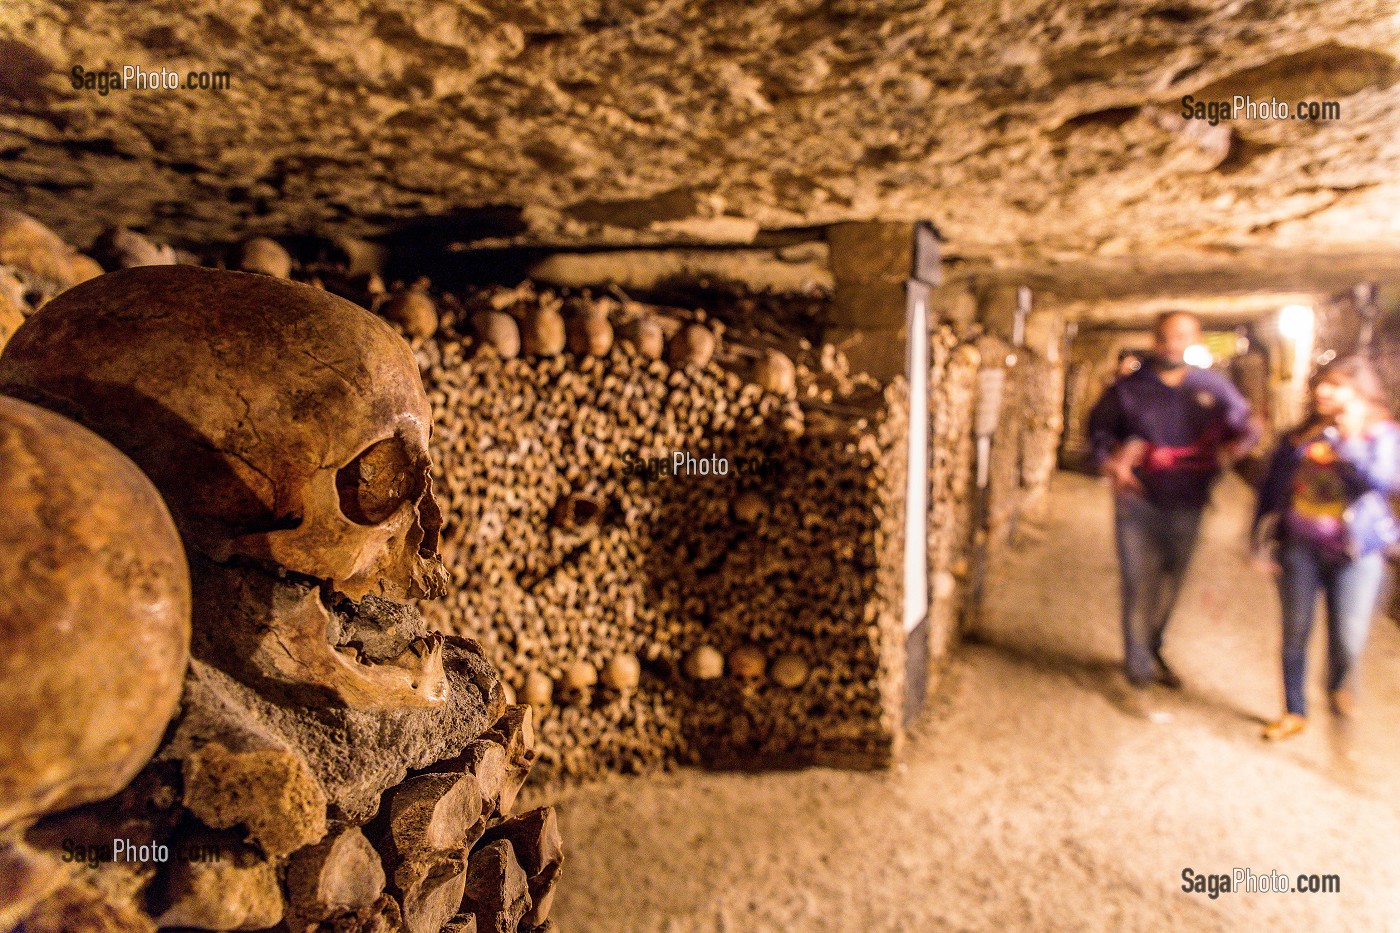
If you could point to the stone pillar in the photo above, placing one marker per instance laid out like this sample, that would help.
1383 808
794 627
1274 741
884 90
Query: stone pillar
870 263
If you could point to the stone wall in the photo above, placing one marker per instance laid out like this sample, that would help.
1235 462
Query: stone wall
1025 446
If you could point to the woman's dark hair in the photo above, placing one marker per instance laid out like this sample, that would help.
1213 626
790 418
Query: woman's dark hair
1357 372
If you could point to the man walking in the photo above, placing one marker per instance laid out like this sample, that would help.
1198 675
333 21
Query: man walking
1162 436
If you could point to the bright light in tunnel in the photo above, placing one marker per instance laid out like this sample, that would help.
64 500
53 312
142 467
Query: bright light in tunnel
1295 322
1197 355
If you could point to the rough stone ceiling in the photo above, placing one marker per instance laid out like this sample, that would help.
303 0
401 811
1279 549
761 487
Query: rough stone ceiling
1044 139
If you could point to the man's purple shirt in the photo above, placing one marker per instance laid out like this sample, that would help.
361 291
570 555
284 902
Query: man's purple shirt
1206 411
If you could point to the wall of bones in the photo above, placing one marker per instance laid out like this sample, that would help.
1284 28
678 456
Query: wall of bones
677 545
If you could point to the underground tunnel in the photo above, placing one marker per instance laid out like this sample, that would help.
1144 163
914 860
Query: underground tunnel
696 466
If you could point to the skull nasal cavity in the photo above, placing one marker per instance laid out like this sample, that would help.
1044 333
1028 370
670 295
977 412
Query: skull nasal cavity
377 482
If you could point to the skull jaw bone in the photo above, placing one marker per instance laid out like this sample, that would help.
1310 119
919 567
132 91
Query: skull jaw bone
278 635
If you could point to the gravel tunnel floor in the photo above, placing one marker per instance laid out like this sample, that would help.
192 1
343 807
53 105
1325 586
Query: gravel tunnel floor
1034 795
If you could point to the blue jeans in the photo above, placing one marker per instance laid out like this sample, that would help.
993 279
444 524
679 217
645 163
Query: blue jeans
1351 588
1155 544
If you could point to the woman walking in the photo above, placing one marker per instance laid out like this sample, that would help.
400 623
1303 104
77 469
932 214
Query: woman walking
1324 504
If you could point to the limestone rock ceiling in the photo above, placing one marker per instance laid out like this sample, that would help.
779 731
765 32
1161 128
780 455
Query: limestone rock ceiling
1037 136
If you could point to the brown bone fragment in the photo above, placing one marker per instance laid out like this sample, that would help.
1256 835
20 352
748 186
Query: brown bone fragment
383 916
238 890
26 878
271 792
78 906
435 812
431 891
486 761
340 874
516 732
497 890
462 923
539 848
431 821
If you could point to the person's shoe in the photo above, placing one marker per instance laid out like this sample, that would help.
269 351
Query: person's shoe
1286 726
1344 703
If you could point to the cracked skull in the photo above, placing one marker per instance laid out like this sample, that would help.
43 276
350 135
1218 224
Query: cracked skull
94 615
288 430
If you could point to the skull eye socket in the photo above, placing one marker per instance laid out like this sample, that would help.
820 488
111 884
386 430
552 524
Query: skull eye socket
375 484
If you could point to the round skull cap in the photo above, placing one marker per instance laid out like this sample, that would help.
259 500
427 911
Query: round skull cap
280 422
94 615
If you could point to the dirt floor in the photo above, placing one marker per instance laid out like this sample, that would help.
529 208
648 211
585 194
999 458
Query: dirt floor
1034 795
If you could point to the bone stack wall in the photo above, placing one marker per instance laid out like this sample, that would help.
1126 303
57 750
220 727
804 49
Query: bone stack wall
671 562
953 394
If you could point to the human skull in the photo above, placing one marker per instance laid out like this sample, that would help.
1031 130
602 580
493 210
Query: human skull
499 330
588 331
622 673
704 663
693 346
574 511
749 507
11 311
94 615
776 373
122 248
538 689
747 665
413 311
41 257
264 256
578 682
543 332
288 430
647 336
789 671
